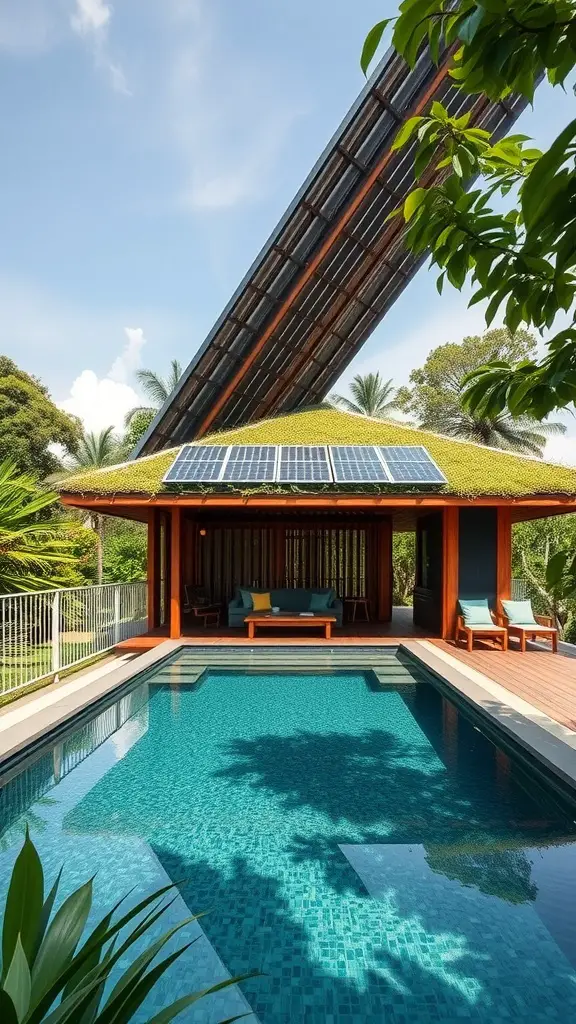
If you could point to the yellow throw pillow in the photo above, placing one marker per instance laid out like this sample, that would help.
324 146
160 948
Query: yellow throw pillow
261 602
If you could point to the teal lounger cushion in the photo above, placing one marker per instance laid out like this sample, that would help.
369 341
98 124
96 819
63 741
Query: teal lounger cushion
519 613
476 612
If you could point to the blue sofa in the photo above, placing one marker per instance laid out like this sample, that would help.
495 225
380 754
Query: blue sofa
292 600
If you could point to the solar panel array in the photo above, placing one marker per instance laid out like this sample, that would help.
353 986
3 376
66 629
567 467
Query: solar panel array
411 465
313 464
300 464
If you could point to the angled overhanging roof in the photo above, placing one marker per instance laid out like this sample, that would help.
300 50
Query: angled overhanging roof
329 272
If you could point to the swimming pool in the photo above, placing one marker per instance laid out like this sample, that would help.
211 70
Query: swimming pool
357 840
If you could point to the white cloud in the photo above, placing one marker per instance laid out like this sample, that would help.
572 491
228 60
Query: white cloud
91 20
90 16
228 157
101 402
98 402
129 359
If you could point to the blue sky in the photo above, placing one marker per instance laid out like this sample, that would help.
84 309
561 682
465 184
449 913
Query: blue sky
149 148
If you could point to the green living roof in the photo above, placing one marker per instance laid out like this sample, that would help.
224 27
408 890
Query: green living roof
471 469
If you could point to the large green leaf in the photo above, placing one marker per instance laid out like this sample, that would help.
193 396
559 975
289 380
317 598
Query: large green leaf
17 981
23 908
534 192
60 941
45 916
372 42
171 1011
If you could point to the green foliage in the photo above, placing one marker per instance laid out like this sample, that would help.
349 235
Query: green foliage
94 451
34 550
543 555
49 976
125 554
521 261
140 420
371 396
435 399
403 567
30 422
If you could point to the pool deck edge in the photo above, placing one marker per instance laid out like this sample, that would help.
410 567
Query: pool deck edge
549 742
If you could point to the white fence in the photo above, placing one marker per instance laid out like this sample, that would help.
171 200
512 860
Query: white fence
43 633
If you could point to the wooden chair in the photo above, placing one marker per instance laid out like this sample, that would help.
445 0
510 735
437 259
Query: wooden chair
198 604
477 621
520 621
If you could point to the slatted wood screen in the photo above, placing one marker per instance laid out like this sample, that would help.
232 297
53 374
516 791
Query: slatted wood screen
351 559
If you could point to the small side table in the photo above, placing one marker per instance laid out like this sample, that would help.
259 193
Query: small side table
362 602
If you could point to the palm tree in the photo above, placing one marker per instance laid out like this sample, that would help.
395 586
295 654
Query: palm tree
519 434
96 451
371 396
156 388
31 547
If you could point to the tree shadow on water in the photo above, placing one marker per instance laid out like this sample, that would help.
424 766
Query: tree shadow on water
309 973
372 781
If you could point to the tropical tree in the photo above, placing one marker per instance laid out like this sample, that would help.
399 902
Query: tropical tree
30 423
34 549
435 397
514 235
370 396
95 451
157 390
403 567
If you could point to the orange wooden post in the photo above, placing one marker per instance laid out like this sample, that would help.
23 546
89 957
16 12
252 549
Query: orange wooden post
175 572
450 525
503 556
153 581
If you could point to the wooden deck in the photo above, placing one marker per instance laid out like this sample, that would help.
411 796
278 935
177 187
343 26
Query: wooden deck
545 680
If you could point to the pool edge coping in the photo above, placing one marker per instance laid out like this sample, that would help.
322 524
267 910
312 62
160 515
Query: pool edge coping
544 739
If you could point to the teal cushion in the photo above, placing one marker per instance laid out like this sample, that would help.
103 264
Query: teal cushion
319 602
246 599
519 613
476 612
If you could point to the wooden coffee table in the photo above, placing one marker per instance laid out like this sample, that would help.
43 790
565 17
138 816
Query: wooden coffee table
264 619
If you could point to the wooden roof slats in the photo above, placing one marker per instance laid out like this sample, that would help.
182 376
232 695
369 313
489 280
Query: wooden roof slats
329 272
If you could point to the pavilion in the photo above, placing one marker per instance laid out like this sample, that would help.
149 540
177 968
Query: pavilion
224 535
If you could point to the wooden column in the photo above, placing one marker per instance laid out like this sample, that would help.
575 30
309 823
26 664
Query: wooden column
153 558
175 573
383 555
503 555
450 524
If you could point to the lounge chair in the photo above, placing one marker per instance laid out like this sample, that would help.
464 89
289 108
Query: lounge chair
520 621
476 620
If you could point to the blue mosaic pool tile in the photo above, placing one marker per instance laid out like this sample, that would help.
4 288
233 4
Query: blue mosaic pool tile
341 847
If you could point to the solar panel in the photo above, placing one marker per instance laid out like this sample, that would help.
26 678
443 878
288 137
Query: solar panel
197 464
251 463
304 464
357 464
411 464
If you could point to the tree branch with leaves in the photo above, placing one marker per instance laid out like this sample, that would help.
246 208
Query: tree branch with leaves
522 261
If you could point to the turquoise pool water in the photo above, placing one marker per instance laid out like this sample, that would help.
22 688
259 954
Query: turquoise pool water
364 846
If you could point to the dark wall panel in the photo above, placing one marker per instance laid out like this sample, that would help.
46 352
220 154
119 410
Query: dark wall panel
477 553
428 589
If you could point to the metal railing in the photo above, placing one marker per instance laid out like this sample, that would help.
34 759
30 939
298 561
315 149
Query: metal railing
519 590
43 633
